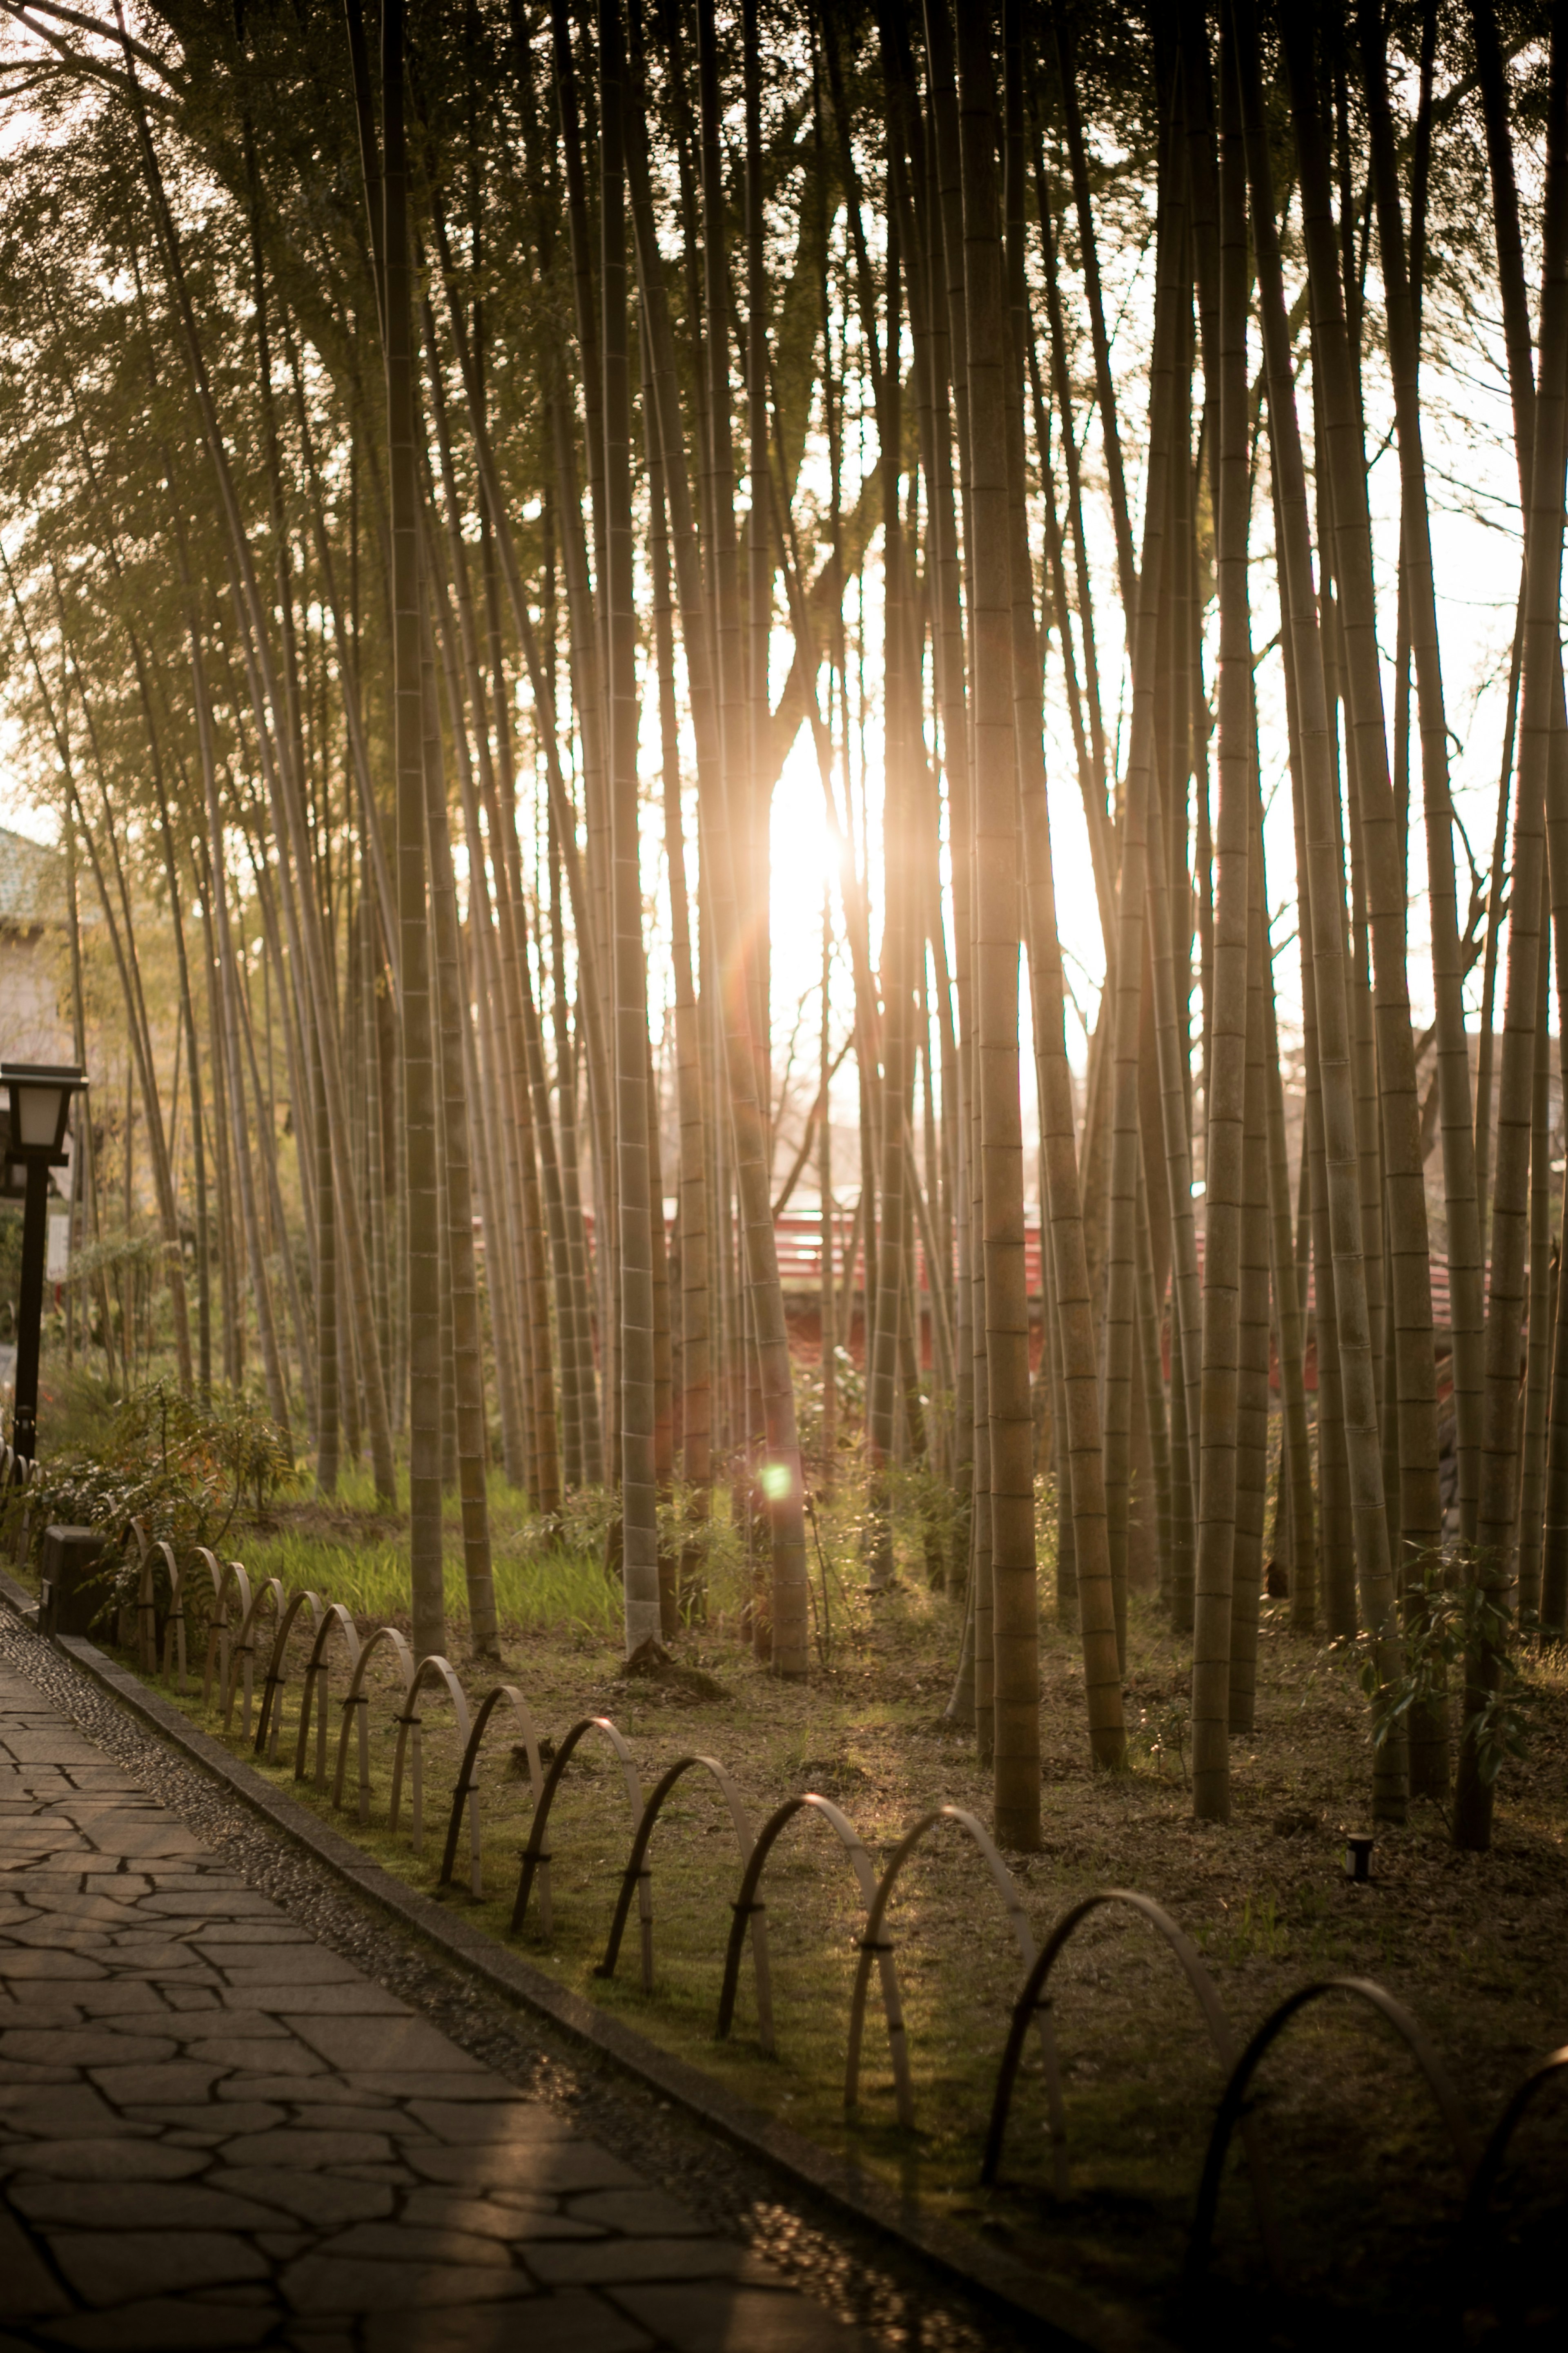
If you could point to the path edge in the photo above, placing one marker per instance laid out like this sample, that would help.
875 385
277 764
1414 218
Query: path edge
1074 2320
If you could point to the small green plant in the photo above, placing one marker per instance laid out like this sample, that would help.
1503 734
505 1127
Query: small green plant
1166 1732
1259 1933
1448 1624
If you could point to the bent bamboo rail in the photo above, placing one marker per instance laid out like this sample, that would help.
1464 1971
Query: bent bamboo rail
220 1649
535 1855
433 1669
174 1624
466 1786
1033 1996
1483 2182
316 1688
270 1589
873 1942
638 1875
146 1602
746 1907
270 1721
1241 2074
355 1705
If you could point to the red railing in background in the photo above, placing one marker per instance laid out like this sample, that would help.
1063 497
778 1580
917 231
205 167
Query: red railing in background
798 1236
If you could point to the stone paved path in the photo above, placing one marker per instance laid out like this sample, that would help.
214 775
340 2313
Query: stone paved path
215 2132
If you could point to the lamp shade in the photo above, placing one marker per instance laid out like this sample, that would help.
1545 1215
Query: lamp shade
40 1100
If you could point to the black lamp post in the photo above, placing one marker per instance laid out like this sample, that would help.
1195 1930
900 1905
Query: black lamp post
40 1095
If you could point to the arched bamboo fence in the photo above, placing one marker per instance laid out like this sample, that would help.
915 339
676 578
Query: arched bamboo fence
230 1654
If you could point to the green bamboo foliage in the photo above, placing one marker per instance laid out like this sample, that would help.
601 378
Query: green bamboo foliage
995 789
422 1257
1541 688
639 1517
371 604
1325 886
1225 1161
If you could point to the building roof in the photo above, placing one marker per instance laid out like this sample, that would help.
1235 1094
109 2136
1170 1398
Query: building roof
32 882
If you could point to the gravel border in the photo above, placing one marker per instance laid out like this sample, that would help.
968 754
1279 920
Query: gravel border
840 2236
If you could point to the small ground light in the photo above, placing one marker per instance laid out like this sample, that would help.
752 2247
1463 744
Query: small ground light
1358 1855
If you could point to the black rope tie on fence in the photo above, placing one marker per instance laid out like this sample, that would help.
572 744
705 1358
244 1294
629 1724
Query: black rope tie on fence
873 1944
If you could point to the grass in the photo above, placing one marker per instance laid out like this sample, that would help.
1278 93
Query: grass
1366 2188
347 1551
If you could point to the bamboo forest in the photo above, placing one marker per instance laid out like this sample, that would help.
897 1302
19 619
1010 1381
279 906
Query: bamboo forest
790 785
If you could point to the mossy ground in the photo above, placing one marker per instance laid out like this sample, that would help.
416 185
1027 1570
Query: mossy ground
1366 2189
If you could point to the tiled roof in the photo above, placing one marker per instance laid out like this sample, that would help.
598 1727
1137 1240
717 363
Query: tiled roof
32 882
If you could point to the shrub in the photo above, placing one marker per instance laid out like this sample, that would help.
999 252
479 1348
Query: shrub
178 1468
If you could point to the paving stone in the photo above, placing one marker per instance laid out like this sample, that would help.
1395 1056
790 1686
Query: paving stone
20 1968
511 2120
79 2046
532 2167
493 2218
46 1747
266 1934
54 1932
720 2320
75 2110
309 2150
164 2324
157 1956
215 2122
138 2206
211 1879
103 2160
405 2242
388 2045
307 1965
614 2260
282 2058
412 2085
645 2212
327 2200
284 2246
131 1998
155 1838
197 1904
113 2266
210 2021
343 2116
29 2289
321 2283
572 2323
184 2080
243 2088
350 1999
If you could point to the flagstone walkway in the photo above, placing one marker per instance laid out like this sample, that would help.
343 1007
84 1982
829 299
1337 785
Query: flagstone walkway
216 2132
